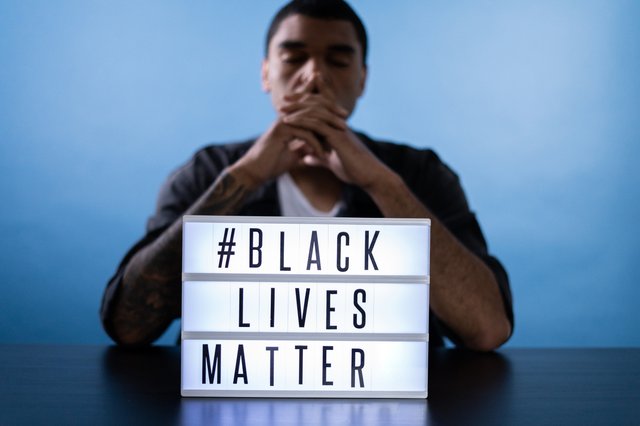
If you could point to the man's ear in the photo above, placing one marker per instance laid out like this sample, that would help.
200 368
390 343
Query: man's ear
363 80
265 76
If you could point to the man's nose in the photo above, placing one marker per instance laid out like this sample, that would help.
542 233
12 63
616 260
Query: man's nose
314 72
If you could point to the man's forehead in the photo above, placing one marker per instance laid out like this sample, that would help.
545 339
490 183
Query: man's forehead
305 31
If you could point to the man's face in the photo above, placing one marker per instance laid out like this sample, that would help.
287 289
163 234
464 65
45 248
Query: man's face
305 48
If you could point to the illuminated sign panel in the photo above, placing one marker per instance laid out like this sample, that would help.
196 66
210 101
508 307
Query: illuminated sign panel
305 307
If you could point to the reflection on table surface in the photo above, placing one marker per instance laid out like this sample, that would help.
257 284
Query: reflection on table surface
480 376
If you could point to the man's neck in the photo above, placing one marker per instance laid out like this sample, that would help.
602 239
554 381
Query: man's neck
320 186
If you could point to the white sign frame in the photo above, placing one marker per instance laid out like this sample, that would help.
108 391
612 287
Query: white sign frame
203 281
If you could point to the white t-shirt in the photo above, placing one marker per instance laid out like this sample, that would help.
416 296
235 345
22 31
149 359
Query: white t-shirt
293 203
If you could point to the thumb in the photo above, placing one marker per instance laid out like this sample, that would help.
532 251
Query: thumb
314 161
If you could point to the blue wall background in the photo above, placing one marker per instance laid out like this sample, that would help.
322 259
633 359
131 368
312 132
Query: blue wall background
535 104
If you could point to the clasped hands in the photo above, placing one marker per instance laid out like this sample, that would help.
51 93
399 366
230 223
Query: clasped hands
311 130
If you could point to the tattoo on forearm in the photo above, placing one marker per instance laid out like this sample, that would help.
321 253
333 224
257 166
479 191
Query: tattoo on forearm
224 197
151 297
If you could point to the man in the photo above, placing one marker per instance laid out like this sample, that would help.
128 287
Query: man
309 162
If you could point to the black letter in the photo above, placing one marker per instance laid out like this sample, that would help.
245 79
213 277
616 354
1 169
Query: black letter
358 367
300 348
271 349
330 309
358 307
207 368
368 249
282 267
253 248
302 317
240 358
273 306
339 251
313 247
326 365
241 309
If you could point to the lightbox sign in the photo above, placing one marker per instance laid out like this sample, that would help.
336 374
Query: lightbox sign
305 307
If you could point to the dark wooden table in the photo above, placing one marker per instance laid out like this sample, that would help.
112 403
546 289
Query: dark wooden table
94 385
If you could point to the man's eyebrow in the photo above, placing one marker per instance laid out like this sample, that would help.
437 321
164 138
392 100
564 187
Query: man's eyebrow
342 48
295 44
292 44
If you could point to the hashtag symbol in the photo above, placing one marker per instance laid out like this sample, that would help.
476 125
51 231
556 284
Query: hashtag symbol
226 247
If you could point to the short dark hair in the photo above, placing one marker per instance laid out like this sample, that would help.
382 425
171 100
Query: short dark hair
320 9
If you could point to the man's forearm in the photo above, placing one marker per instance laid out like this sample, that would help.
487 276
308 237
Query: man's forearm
464 291
150 296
